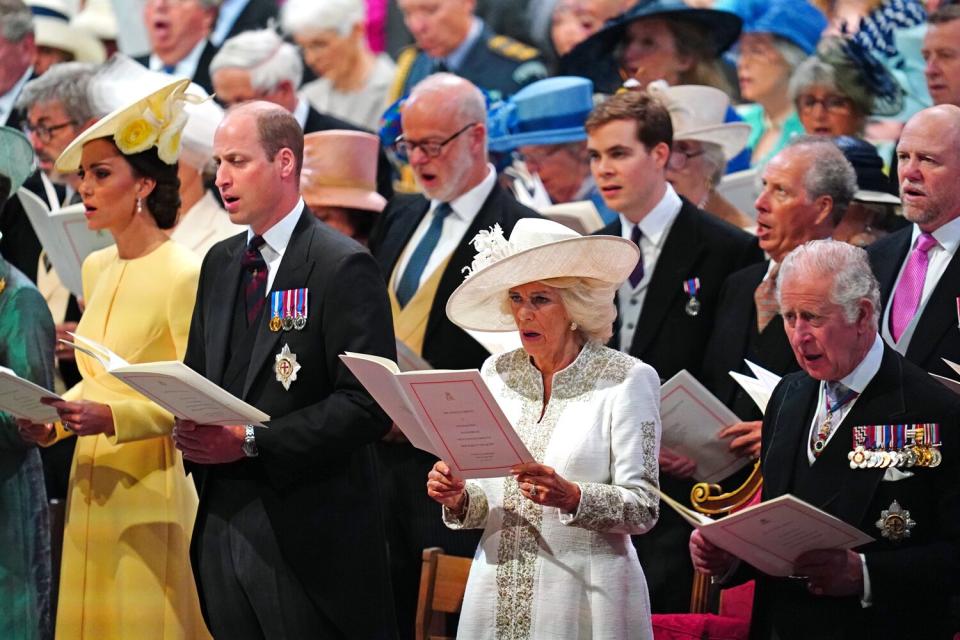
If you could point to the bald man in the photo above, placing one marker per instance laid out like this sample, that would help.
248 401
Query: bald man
918 267
286 511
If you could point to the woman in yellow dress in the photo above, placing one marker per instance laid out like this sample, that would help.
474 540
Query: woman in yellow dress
126 567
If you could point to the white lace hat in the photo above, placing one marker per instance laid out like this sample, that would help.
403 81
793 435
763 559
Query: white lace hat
537 250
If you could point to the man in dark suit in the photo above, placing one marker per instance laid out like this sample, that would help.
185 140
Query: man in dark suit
807 188
918 267
289 538
851 389
422 245
258 65
449 37
179 34
668 305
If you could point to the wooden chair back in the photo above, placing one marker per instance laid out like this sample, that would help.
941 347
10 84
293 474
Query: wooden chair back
443 580
710 499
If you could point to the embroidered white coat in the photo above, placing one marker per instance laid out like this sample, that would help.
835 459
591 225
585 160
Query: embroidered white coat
541 573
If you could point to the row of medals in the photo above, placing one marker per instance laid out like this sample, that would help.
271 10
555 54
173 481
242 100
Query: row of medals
288 323
911 456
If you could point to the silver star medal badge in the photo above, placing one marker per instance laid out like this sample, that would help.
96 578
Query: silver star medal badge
286 367
895 523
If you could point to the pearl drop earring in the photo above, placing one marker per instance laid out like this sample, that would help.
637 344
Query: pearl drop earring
573 326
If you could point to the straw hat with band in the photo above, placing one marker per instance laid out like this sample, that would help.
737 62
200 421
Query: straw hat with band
155 120
698 112
52 28
17 160
537 250
340 170
549 111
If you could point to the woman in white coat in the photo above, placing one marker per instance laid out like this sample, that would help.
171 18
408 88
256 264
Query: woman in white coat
555 560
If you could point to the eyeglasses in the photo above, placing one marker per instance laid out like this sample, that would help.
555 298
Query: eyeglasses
44 132
832 104
679 158
429 148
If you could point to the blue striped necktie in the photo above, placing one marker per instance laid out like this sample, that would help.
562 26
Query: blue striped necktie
410 281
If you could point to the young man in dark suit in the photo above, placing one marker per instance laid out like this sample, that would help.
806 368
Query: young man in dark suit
422 243
807 188
853 390
918 267
668 306
286 512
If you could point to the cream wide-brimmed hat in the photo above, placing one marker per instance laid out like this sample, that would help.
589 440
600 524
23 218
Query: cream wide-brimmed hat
340 170
697 112
155 120
17 160
52 28
97 17
537 250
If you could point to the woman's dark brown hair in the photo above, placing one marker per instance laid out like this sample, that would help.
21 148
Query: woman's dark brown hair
164 201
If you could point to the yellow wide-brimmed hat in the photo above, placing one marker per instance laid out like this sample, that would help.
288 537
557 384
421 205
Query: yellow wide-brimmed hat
155 120
537 250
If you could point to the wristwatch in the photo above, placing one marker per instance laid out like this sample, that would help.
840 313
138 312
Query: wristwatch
249 442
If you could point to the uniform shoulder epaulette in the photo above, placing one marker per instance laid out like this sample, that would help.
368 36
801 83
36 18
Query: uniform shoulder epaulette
404 63
513 49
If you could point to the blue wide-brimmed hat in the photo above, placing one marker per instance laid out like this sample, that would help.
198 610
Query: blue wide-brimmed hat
17 160
549 111
593 58
795 20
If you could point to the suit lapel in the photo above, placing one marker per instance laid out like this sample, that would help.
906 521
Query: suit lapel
293 273
224 293
789 425
939 315
462 257
614 229
400 233
886 265
680 252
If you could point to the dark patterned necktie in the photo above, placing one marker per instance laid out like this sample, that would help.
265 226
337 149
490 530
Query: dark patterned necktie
254 278
637 276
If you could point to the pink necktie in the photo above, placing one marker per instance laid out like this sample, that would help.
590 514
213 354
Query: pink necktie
906 298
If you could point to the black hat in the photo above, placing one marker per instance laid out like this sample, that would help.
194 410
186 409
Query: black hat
873 185
593 58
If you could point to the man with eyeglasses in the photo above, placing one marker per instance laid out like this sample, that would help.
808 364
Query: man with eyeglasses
422 245
668 306
179 33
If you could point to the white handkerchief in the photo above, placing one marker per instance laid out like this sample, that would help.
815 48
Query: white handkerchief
892 474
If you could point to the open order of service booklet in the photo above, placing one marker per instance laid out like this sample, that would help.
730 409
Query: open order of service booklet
175 387
22 399
773 534
65 237
451 414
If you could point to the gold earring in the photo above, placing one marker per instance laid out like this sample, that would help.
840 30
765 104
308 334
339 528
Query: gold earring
573 326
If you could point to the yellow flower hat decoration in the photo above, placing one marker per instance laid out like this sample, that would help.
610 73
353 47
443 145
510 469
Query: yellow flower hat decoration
154 120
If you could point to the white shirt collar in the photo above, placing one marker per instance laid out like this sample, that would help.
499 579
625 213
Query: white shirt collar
466 205
858 379
948 235
9 100
657 223
301 111
186 67
454 59
277 237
